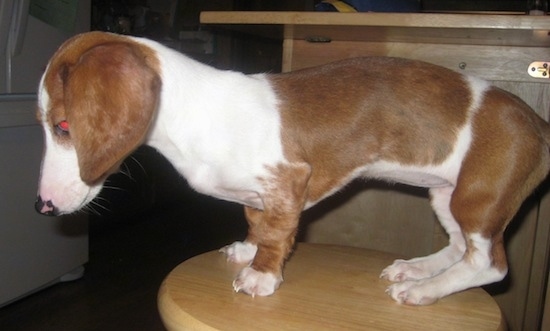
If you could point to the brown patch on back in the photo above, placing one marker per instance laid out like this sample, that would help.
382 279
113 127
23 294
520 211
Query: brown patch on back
347 114
107 87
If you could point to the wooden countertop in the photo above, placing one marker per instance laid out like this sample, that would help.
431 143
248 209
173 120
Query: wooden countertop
477 29
326 288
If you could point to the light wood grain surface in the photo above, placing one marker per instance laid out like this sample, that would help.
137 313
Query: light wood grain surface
485 21
504 30
326 287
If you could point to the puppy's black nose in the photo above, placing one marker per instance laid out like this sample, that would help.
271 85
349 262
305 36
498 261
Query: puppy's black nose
45 207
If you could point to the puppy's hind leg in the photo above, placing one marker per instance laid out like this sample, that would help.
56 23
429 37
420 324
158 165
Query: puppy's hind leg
273 229
486 198
482 220
431 265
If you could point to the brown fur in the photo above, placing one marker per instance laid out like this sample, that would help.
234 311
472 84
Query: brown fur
507 160
86 82
273 229
391 120
380 113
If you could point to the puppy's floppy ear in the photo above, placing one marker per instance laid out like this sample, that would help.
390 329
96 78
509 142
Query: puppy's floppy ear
110 96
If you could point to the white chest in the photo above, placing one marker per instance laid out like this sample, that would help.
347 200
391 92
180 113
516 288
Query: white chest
220 140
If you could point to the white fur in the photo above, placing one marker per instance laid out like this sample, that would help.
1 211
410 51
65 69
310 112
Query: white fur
240 252
60 174
475 271
246 131
434 264
255 282
60 171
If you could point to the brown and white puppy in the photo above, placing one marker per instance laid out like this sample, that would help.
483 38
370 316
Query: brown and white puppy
278 144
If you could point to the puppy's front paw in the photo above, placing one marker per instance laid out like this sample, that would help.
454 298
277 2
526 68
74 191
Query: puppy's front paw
254 283
240 252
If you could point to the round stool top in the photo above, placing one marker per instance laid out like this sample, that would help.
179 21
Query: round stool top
325 288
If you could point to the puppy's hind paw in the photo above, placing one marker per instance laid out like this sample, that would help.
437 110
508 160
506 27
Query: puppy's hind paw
408 293
402 270
240 252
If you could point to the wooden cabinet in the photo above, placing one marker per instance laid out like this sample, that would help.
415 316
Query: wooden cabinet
399 219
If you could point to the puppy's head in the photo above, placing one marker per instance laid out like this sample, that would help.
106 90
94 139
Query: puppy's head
96 101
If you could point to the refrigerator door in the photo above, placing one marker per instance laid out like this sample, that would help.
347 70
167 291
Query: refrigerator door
35 251
17 110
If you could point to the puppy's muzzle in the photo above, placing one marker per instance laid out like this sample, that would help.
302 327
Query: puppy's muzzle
45 207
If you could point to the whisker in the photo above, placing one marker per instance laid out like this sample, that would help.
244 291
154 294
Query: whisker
126 171
98 199
97 204
89 209
133 158
118 188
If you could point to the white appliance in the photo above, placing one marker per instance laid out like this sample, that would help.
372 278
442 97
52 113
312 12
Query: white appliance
35 251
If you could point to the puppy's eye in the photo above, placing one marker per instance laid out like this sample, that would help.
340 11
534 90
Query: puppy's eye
62 127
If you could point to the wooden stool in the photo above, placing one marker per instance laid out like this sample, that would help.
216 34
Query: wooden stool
326 288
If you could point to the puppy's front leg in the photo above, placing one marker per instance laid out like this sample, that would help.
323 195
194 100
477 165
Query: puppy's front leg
272 230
